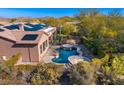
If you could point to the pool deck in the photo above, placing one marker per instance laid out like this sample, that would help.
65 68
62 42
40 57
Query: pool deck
49 55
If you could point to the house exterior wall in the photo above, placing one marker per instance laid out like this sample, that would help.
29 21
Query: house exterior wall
40 46
29 52
5 49
8 49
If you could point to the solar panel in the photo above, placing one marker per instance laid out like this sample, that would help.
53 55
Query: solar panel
11 27
35 27
28 24
32 27
30 37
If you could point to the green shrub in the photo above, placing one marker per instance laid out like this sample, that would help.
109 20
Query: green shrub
45 74
12 61
80 74
113 70
25 67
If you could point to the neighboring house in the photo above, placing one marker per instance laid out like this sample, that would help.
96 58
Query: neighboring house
31 40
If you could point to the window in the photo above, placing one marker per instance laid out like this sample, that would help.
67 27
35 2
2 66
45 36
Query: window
46 43
41 49
44 47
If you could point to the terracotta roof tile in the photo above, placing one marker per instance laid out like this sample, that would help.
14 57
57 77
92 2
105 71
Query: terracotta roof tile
7 35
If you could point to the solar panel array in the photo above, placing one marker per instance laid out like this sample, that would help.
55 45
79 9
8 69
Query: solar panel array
12 27
30 37
34 27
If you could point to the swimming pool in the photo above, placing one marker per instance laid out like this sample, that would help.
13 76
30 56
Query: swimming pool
64 53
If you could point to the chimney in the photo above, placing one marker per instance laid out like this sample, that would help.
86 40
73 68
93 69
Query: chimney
21 26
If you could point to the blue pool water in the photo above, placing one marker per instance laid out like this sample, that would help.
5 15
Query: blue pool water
64 53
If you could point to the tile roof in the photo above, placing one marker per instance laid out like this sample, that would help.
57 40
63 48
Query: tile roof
18 35
7 35
14 33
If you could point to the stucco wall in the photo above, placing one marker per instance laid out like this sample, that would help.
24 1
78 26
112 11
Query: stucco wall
44 38
8 49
